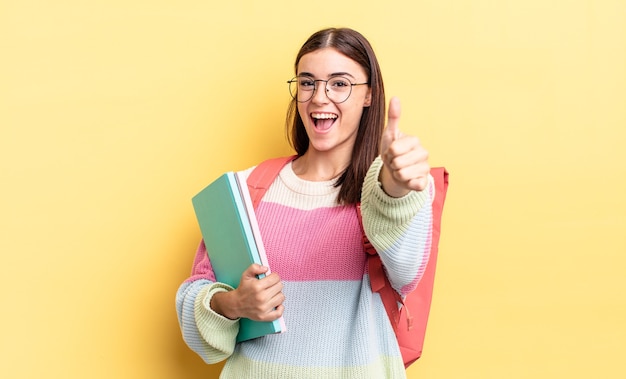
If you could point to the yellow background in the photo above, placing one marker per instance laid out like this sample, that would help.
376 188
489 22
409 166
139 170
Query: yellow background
113 114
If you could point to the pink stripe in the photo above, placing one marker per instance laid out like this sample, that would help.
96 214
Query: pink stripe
320 244
202 268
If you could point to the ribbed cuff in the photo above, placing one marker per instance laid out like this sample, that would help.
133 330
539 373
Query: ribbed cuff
219 332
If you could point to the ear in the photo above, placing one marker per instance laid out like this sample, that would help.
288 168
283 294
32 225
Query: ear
368 98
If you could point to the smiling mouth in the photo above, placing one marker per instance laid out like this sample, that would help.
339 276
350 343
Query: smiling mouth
324 121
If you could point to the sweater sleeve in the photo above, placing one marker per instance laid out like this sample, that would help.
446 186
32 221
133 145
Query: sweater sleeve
399 228
209 334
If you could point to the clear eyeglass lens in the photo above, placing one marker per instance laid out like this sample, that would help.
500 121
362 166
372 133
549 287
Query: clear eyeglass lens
338 89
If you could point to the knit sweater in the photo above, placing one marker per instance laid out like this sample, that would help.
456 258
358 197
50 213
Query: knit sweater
336 326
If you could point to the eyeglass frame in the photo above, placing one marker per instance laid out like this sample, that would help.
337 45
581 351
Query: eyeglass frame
295 80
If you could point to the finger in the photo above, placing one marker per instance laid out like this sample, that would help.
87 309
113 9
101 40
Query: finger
276 300
393 118
415 176
271 284
419 183
273 307
254 270
273 314
279 311
408 151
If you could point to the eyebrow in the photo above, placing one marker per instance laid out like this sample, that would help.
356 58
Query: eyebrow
330 76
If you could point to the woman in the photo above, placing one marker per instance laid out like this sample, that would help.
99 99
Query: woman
337 328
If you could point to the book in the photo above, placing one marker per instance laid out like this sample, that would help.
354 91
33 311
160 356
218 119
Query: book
233 241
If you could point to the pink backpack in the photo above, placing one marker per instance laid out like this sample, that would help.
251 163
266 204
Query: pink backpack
409 322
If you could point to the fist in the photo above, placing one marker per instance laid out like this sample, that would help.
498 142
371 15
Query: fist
405 161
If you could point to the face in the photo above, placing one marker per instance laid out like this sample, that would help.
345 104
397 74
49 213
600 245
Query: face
332 126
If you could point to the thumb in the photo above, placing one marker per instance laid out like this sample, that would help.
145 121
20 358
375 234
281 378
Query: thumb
393 118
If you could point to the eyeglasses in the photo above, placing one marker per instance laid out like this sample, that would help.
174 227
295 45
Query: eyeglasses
338 88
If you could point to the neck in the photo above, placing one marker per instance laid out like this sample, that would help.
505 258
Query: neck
317 167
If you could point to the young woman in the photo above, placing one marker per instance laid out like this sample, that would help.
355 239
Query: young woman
337 328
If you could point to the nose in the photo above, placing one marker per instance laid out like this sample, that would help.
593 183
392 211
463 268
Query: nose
320 95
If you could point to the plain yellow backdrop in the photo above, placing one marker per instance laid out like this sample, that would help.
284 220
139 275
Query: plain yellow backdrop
113 114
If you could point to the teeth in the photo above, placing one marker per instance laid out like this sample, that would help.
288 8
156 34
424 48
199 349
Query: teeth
323 115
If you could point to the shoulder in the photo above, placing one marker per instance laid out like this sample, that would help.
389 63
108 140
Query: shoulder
268 167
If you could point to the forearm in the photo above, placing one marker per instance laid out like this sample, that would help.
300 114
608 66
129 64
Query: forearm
399 229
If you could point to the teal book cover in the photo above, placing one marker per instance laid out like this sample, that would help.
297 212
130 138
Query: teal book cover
230 231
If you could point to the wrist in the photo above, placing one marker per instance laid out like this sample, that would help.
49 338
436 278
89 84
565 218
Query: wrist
222 304
389 185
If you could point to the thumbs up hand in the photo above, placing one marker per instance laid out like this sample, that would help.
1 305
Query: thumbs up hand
405 161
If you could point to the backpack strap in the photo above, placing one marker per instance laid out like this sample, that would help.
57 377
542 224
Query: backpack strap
378 278
263 175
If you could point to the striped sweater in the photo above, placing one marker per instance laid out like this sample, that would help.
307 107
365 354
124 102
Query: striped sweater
336 326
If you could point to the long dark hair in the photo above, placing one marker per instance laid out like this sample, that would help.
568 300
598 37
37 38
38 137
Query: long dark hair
353 45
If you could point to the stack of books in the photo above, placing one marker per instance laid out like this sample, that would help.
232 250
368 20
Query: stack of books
233 241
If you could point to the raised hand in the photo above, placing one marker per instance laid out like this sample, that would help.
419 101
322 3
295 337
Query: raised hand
405 161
